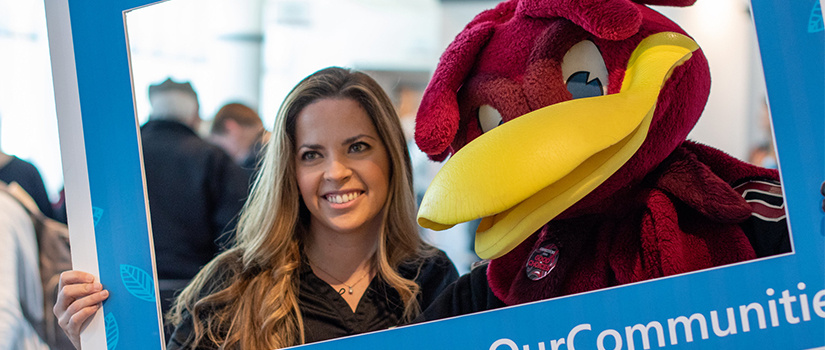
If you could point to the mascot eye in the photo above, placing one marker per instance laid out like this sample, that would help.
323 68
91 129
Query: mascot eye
488 118
584 70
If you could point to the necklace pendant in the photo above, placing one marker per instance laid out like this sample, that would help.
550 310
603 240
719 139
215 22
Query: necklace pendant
350 290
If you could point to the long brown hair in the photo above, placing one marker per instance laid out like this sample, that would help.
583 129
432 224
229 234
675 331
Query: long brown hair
247 297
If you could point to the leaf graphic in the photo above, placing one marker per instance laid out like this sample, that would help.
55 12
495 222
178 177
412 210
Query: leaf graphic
138 282
112 333
97 213
815 23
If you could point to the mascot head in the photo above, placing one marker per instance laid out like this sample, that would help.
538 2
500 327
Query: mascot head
551 109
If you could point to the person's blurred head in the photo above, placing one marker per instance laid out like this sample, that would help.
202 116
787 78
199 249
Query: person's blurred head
236 128
175 101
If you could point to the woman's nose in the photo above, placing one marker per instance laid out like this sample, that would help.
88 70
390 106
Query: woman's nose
337 171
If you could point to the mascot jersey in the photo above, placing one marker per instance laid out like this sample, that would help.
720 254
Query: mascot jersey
565 122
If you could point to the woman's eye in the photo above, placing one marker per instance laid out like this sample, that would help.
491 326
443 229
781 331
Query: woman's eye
584 70
310 155
358 147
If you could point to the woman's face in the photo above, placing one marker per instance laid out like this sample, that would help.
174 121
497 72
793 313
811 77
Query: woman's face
342 166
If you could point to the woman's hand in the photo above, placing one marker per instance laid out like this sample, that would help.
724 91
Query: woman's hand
78 298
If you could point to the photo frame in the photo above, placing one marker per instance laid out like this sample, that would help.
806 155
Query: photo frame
782 298
106 201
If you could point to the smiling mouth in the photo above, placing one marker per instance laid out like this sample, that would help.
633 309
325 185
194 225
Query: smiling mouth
342 198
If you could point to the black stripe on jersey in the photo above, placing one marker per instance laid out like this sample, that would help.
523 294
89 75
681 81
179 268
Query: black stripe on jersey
765 197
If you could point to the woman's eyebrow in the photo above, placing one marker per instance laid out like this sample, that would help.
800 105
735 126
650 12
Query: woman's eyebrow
355 138
311 146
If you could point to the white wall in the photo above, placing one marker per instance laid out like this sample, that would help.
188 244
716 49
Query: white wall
216 45
725 31
28 123
302 36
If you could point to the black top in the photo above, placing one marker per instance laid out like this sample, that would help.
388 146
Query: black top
767 227
327 315
27 176
469 294
195 192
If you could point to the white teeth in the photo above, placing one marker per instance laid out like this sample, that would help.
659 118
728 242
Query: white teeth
339 199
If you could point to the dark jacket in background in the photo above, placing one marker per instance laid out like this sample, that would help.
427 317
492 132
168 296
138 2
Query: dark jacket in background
195 193
27 176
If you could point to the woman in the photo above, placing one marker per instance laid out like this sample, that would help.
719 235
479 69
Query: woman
326 245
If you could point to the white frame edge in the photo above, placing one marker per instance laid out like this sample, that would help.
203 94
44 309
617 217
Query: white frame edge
75 172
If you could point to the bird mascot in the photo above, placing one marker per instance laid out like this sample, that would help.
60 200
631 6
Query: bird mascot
565 124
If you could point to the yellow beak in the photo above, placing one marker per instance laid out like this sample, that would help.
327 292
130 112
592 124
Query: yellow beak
525 172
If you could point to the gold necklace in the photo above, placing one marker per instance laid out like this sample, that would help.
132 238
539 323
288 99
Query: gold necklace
341 291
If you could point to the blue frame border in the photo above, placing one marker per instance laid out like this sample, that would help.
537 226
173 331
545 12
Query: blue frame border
103 171
108 216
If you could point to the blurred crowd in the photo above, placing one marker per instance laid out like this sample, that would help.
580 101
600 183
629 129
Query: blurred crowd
196 186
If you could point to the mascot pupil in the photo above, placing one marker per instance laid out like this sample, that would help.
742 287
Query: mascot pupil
566 123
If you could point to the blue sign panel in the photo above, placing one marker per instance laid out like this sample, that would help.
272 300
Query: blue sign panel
777 302
106 202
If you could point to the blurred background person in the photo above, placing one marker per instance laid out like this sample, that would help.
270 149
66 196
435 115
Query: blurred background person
195 189
457 241
239 131
21 294
763 153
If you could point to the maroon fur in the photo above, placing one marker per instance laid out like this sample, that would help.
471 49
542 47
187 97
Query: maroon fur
679 3
606 19
684 217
